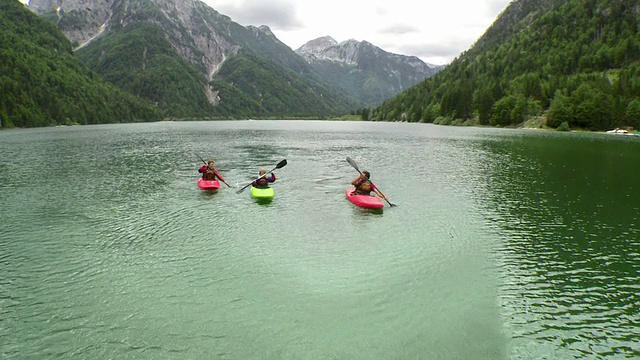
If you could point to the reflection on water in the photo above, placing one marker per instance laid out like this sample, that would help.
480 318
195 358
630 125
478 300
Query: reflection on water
367 212
571 252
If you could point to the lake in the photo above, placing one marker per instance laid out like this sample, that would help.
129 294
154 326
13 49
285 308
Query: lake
505 244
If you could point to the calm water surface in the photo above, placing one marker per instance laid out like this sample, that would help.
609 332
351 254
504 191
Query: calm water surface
506 244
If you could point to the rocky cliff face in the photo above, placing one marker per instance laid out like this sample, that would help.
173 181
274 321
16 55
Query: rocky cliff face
81 20
40 6
198 33
190 60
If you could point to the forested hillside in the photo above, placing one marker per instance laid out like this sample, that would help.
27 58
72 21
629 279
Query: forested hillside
43 83
572 61
193 62
272 89
140 60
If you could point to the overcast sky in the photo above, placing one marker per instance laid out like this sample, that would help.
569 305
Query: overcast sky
435 31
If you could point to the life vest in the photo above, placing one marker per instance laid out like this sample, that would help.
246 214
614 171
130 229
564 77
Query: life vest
364 188
263 182
209 174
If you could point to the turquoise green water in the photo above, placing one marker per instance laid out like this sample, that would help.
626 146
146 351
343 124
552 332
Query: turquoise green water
506 244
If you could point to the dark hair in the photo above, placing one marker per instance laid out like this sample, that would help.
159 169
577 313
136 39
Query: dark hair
366 173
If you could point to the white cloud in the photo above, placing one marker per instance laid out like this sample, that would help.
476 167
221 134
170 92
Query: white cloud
399 29
277 14
435 31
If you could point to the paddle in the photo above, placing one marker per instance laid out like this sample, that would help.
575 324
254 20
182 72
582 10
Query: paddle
280 165
355 166
206 164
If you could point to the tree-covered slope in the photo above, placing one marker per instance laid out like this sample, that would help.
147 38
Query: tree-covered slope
278 90
140 60
42 82
574 61
194 62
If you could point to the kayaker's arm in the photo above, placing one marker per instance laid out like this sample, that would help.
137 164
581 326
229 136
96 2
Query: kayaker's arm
382 196
218 175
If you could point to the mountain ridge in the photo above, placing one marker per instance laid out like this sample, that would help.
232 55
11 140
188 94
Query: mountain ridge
364 70
206 39
199 35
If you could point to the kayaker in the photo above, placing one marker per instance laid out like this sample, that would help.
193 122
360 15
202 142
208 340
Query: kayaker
209 172
263 181
364 186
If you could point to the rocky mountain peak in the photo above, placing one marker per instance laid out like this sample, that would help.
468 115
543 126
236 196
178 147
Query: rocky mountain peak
350 42
326 48
378 74
197 32
317 46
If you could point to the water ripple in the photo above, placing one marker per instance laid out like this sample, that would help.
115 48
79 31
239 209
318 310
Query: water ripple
115 253
569 268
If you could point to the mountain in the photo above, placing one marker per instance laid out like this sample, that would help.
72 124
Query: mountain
363 70
191 60
572 62
43 83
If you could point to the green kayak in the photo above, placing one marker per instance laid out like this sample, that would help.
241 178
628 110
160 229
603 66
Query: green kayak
262 193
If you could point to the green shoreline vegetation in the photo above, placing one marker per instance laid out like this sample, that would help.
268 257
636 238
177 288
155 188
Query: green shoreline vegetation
44 84
571 65
573 61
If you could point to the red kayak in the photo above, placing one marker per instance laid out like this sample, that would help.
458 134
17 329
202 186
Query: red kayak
364 201
208 184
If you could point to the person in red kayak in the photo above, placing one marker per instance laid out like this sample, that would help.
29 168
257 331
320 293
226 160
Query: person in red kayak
264 181
364 186
209 172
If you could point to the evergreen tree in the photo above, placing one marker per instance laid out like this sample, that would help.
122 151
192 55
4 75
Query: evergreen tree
574 61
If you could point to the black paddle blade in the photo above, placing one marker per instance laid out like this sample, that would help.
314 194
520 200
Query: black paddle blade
281 164
352 163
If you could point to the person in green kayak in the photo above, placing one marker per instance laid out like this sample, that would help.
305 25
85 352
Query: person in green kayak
364 186
264 180
209 172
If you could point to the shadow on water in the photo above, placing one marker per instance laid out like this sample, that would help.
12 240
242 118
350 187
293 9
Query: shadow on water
263 202
364 213
208 194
